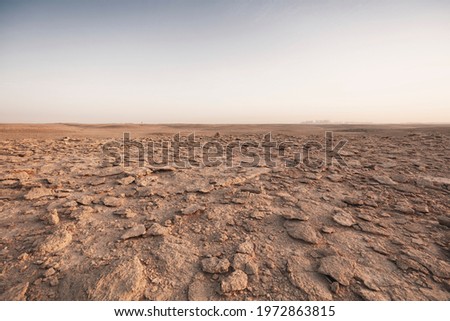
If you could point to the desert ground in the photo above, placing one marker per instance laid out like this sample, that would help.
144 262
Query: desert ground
77 225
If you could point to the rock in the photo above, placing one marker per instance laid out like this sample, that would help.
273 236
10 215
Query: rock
247 248
294 214
85 200
339 268
135 231
404 208
327 230
49 272
126 180
15 293
38 192
257 215
371 203
421 208
365 217
110 171
56 242
353 201
312 284
301 231
157 230
125 213
236 281
124 282
113 201
192 209
215 265
343 218
97 181
444 220
52 218
334 287
335 178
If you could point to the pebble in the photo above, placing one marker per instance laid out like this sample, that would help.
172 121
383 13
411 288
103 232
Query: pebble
135 231
236 281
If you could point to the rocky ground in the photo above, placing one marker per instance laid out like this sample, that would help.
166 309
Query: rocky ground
76 228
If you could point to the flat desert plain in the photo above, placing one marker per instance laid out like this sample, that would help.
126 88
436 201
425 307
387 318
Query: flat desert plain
77 224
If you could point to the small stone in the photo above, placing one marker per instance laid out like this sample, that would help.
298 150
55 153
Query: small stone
52 218
365 217
334 287
24 256
157 230
215 265
49 272
247 248
301 231
335 178
444 220
112 201
293 214
236 281
343 218
404 208
192 209
251 268
353 201
421 208
257 215
126 180
135 231
371 203
110 171
327 230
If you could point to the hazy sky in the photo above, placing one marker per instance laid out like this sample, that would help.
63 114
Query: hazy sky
224 61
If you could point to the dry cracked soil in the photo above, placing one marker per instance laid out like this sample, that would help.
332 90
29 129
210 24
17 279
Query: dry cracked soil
76 228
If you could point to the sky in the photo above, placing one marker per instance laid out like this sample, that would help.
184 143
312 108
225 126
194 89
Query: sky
224 61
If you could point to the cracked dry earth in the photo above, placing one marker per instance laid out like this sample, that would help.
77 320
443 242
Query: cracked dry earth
376 229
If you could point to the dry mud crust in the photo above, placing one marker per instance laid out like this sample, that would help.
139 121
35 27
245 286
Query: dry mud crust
375 229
